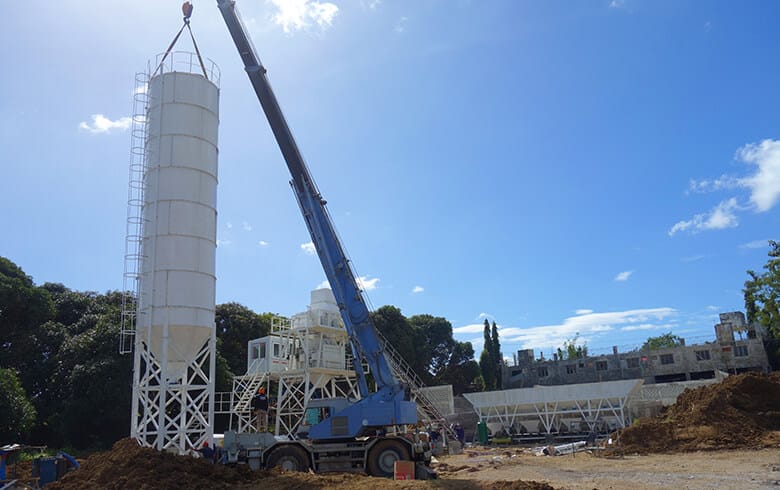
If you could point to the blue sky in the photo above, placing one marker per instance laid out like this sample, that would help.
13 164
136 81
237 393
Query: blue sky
606 167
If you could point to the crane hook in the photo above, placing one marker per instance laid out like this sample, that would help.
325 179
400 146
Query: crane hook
186 9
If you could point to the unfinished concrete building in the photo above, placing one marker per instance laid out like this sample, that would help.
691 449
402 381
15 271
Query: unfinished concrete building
738 347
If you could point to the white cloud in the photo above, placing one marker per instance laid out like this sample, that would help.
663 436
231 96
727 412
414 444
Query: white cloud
583 312
755 244
308 248
223 243
722 216
246 226
418 289
367 284
400 26
645 326
476 342
623 276
372 4
764 185
102 124
296 15
263 243
229 225
484 315
705 185
363 283
616 4
588 326
472 328
713 307
693 258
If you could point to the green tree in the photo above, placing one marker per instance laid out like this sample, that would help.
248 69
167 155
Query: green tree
487 364
572 349
23 308
437 344
461 370
498 357
94 408
762 301
60 348
402 336
18 414
663 341
223 378
427 345
236 326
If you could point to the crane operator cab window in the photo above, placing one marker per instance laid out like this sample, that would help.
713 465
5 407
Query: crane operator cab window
311 417
315 415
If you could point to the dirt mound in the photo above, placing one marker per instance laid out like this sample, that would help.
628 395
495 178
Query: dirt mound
743 411
127 465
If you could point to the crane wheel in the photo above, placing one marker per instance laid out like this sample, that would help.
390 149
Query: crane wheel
382 458
288 458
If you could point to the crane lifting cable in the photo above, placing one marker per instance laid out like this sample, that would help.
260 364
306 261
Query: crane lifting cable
186 10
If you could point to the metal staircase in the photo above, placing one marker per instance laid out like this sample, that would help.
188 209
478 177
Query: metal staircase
246 386
426 409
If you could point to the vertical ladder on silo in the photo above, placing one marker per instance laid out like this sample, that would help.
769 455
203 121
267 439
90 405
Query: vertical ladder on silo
134 227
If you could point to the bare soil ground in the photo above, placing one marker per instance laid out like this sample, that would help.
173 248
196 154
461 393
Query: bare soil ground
499 468
729 469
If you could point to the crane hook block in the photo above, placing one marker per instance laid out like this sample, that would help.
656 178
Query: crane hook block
186 9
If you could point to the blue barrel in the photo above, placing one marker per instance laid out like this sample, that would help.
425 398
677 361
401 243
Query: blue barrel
47 470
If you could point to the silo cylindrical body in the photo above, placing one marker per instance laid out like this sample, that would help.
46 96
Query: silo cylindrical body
177 298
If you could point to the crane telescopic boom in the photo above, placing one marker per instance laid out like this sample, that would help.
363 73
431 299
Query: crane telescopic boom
388 405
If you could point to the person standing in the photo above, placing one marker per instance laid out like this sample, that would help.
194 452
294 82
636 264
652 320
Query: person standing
260 406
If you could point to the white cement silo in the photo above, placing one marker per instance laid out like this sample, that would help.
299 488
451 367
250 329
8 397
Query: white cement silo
175 330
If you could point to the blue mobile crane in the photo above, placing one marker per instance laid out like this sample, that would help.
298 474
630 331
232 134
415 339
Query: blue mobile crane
353 436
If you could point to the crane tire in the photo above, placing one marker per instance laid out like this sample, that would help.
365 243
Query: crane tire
384 454
289 458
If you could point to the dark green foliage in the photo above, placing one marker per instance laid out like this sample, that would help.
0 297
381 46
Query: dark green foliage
491 360
17 414
77 380
403 337
427 345
762 301
63 381
95 387
663 341
23 308
495 352
436 346
224 378
461 370
485 369
237 325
